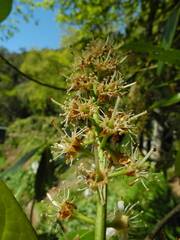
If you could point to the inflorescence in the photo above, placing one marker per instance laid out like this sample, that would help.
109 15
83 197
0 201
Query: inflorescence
96 114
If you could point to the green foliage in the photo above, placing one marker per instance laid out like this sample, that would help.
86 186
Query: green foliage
102 18
5 9
21 97
11 103
160 197
44 65
14 223
21 183
30 133
24 10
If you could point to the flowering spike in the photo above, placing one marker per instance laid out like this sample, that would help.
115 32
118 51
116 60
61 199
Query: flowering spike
95 118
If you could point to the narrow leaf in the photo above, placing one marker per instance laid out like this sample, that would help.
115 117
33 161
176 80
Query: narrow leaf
44 176
166 101
170 29
168 34
141 47
155 52
13 221
19 163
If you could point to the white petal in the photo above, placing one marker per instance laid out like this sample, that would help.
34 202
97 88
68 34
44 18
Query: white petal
110 232
49 196
88 192
121 205
52 200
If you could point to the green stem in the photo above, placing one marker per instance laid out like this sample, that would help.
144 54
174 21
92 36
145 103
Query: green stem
96 117
100 221
86 152
104 140
89 142
94 88
83 218
116 174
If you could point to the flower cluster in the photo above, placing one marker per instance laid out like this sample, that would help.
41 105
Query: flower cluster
96 118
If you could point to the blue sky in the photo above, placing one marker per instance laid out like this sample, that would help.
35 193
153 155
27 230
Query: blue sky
45 35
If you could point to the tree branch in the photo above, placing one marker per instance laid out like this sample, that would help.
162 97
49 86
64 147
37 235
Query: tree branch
30 78
160 224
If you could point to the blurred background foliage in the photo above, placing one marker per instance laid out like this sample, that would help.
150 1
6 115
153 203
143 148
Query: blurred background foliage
150 33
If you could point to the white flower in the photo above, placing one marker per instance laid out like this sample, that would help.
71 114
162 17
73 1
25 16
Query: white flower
110 232
63 209
70 145
123 221
136 167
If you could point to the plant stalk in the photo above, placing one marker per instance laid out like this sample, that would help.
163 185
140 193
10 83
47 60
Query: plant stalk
100 221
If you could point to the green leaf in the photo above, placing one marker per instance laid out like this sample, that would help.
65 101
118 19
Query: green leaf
19 163
84 234
44 176
5 9
156 53
170 55
168 34
170 29
13 221
166 101
141 47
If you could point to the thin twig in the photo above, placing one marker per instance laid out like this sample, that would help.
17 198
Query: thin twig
31 212
63 229
160 224
30 78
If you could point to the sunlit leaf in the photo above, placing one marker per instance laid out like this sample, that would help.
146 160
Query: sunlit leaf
155 52
81 234
13 221
168 34
141 47
5 9
170 29
166 101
